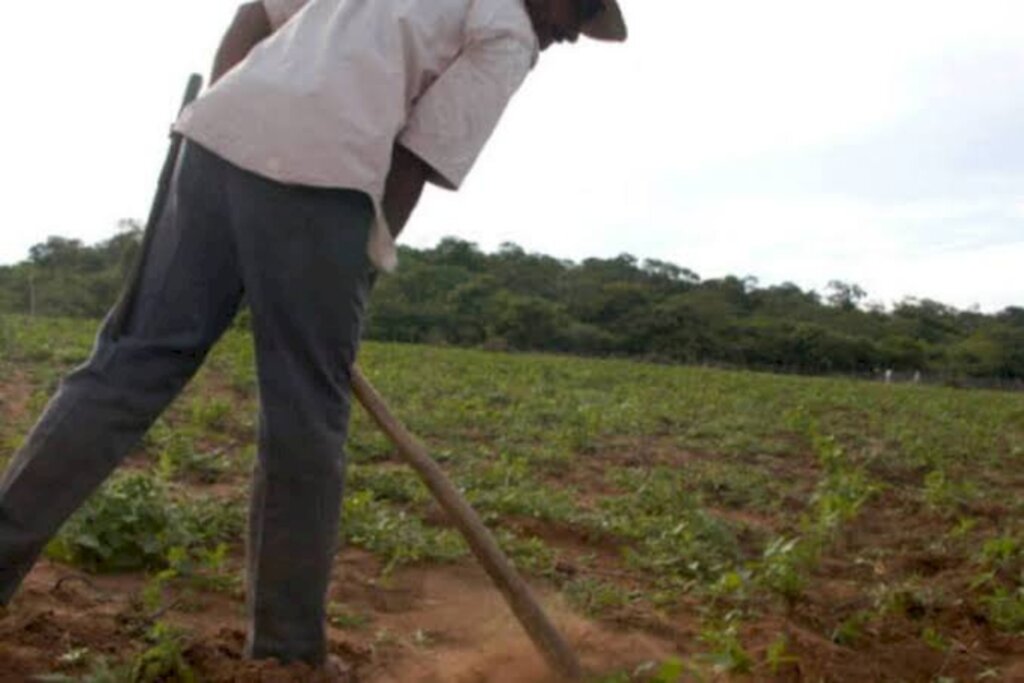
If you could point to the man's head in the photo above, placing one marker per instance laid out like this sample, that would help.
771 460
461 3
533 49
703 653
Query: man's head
555 21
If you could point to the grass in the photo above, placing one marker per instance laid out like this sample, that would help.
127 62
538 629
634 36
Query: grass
658 487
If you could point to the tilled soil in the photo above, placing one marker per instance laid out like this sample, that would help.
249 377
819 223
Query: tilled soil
431 625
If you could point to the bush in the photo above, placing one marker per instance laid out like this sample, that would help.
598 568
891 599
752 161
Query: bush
128 525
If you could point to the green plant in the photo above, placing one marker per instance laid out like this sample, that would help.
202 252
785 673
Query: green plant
529 554
911 597
100 671
726 653
1005 609
209 414
129 524
777 655
397 485
399 537
783 567
1003 553
672 534
934 639
947 494
179 458
201 568
343 618
164 659
841 492
595 597
851 630
507 487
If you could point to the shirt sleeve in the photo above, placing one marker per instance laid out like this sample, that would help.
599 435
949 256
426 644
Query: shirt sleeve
280 11
452 121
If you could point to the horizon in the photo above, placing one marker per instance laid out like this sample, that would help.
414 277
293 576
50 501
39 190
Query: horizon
866 303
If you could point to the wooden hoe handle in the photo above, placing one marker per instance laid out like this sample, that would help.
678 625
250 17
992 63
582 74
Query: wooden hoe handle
517 593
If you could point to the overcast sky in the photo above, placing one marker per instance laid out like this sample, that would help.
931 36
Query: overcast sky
876 142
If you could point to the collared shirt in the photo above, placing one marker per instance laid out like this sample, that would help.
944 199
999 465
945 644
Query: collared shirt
323 100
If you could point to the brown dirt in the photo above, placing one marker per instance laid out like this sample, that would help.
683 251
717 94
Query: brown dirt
15 395
428 625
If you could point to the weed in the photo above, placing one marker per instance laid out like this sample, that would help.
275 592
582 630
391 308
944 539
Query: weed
726 653
783 567
506 487
209 414
594 597
935 640
100 671
530 555
1005 609
734 485
132 523
777 655
946 494
399 537
128 525
672 534
397 485
849 631
179 458
1003 553
202 568
843 490
343 618
164 660
910 597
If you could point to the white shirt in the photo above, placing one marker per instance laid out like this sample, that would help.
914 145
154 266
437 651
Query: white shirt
323 100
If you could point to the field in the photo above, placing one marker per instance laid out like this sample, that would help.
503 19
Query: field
682 524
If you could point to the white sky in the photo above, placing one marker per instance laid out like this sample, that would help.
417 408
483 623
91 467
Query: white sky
877 142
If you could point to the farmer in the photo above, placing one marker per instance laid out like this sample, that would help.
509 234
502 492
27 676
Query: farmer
301 164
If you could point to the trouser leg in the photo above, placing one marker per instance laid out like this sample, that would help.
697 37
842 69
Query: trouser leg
303 256
187 294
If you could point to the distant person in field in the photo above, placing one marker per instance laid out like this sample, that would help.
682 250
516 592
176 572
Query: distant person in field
301 164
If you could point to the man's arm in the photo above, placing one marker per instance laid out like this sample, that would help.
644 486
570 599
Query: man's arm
404 187
250 26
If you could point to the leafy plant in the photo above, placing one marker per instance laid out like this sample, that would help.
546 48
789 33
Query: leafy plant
1005 609
777 656
179 458
726 653
783 567
100 671
507 487
164 660
943 493
595 597
128 525
209 414
341 617
672 534
851 629
399 537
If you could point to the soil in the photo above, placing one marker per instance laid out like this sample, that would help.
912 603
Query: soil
442 624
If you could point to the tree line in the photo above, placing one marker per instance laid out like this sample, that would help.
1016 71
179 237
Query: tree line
454 293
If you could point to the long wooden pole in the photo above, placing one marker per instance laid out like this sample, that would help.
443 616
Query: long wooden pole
122 309
546 637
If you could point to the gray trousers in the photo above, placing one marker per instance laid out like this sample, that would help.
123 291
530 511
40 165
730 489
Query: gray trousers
299 256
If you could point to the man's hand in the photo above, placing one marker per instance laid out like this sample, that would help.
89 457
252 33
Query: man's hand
404 187
250 26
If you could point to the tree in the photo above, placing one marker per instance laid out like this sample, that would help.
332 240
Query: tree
843 295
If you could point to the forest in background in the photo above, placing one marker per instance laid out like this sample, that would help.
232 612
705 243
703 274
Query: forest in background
511 299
